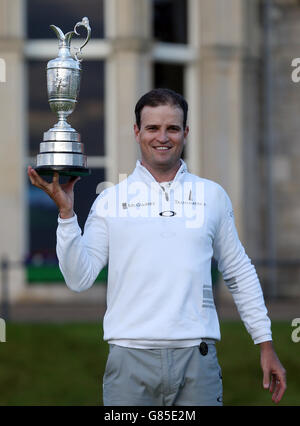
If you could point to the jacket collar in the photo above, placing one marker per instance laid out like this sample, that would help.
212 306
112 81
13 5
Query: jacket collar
140 172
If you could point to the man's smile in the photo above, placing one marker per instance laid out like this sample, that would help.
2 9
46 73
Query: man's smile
162 148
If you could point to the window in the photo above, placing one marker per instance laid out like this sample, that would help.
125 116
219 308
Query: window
87 119
170 76
64 14
170 21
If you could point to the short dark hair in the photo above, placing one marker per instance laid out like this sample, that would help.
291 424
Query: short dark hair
161 96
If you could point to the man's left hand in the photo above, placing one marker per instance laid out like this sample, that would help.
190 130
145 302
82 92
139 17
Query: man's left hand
274 375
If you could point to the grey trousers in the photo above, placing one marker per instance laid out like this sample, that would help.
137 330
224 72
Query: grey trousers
162 377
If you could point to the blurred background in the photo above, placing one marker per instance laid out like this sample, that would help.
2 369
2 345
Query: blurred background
231 59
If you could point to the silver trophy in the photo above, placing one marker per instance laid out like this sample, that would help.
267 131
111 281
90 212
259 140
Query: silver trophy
61 150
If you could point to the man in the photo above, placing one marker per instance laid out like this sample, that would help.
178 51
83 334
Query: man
158 231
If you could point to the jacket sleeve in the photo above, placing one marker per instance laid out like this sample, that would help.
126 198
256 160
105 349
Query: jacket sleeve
240 275
81 257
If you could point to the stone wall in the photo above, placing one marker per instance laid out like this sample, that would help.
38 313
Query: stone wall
285 30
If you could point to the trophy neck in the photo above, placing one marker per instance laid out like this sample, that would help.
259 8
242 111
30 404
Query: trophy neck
64 50
62 126
64 43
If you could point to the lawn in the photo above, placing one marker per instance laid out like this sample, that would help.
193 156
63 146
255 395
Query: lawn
63 364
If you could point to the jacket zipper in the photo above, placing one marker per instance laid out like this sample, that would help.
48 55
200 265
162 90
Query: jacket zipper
166 195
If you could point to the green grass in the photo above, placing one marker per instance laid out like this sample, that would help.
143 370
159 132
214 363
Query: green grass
51 274
240 363
52 364
63 364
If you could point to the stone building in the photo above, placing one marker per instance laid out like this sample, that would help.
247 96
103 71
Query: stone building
232 61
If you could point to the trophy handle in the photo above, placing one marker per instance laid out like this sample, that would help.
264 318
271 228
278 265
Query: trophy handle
84 23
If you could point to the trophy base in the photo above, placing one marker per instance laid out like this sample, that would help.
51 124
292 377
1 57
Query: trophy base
63 170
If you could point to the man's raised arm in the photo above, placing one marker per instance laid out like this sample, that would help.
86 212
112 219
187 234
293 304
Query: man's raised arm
81 257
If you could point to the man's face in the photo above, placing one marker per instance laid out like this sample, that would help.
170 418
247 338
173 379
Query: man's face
161 136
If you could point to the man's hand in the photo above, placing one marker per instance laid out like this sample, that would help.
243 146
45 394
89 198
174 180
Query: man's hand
62 195
274 375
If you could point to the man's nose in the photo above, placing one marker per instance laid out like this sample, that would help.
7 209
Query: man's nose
162 137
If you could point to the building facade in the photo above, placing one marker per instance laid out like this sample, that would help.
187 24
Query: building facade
231 59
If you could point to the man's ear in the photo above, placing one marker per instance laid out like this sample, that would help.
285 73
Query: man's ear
186 132
136 132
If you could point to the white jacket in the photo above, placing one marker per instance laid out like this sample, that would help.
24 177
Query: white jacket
159 245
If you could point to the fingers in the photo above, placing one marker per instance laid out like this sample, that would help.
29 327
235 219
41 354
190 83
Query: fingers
279 389
36 179
273 383
266 379
277 386
74 179
55 179
69 186
39 182
274 374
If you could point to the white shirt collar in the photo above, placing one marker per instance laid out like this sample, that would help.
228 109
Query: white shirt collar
146 174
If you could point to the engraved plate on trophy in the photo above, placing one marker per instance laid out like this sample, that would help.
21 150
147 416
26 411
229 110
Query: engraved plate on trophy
61 150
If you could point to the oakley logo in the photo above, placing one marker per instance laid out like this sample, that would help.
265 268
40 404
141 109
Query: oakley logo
167 213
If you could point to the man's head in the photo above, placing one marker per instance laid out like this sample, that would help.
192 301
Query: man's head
157 97
161 131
